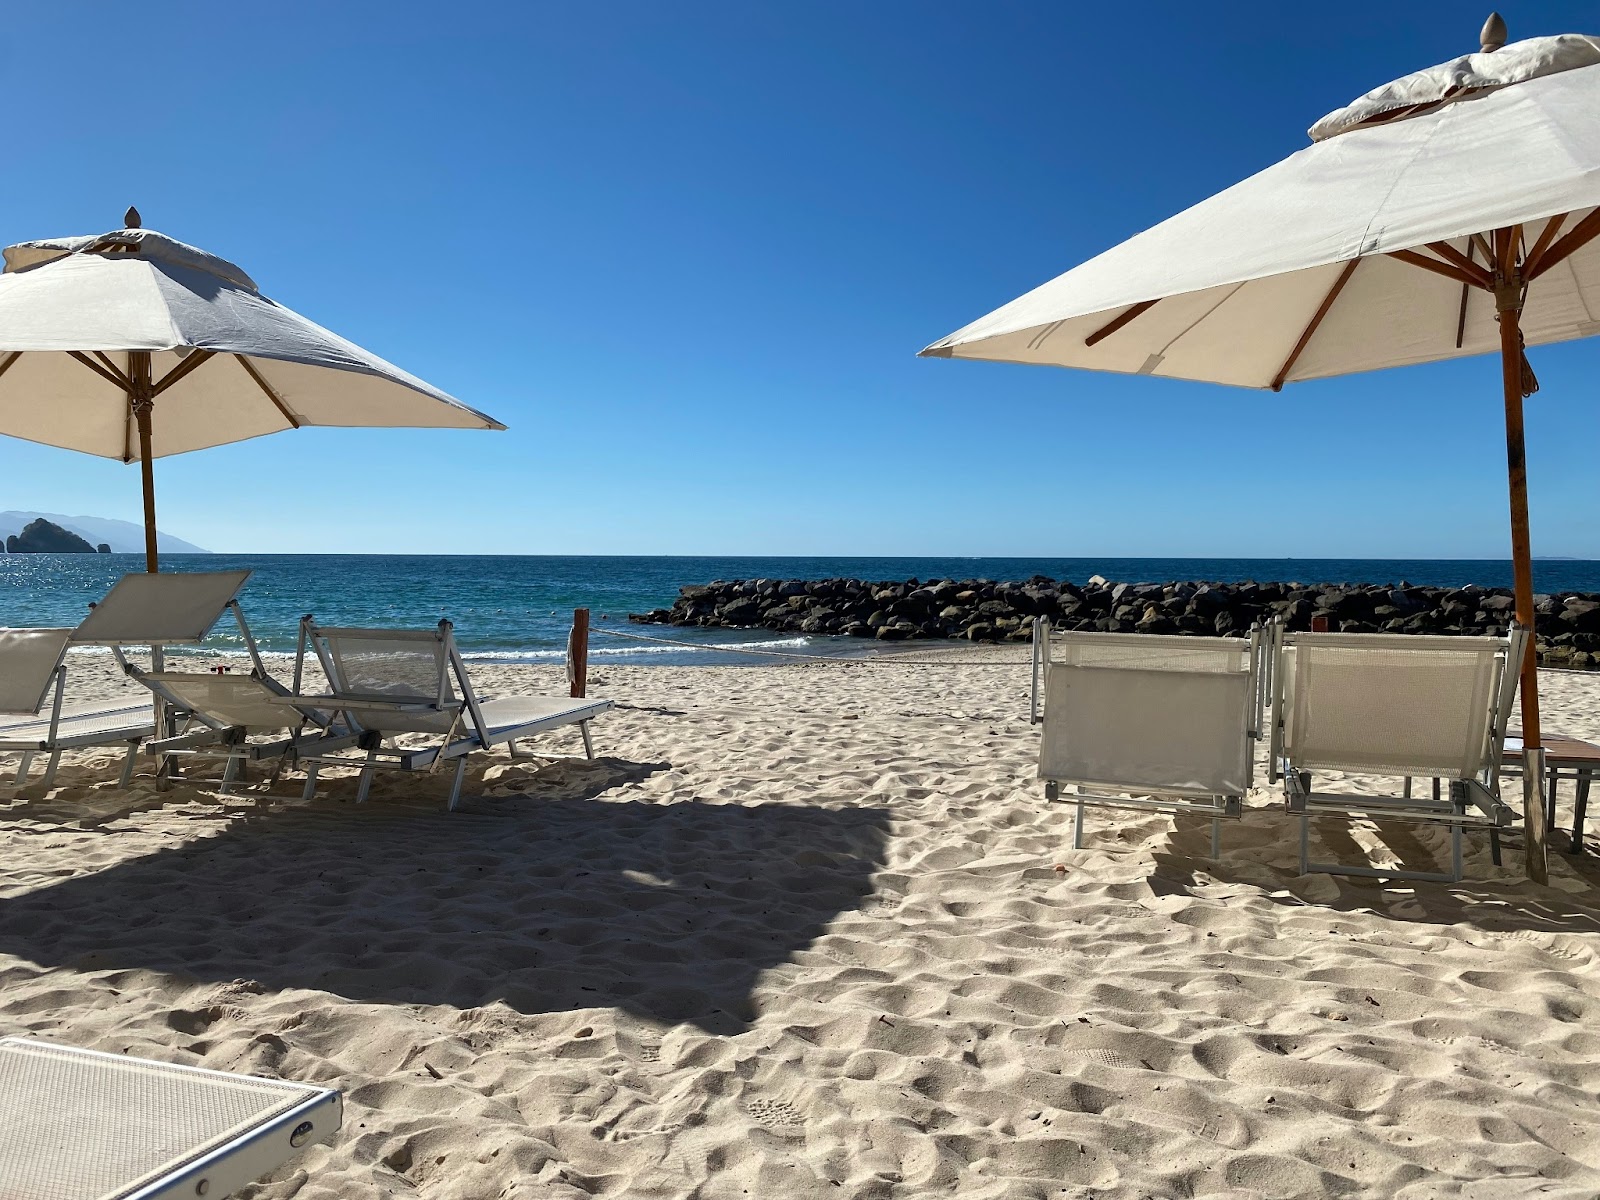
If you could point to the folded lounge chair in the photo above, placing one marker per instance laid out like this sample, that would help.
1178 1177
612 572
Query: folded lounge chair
204 714
83 1125
1148 721
33 673
1394 705
386 683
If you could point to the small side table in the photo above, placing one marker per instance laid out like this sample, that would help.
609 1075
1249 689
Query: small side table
1564 758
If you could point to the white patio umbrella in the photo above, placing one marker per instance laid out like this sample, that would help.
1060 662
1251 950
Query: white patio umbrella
132 346
1450 213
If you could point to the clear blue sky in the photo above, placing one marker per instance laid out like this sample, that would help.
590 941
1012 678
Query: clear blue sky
687 252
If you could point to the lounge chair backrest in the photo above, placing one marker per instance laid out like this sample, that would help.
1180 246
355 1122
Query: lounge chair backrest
1400 704
160 610
392 665
1144 711
29 659
227 700
396 664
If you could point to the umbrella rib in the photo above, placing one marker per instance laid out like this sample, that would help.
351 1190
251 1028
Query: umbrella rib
105 361
182 369
109 374
1316 320
1450 254
1552 227
1433 264
10 360
294 421
1580 236
1119 321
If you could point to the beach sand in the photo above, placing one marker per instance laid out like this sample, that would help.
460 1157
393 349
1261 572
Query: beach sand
799 932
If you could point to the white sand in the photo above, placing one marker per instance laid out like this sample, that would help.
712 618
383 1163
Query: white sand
798 933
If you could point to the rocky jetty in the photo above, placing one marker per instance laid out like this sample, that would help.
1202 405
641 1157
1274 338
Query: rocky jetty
46 537
982 610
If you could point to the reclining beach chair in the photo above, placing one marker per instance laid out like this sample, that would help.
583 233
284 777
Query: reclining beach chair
387 683
1404 705
206 714
83 1125
1148 721
33 673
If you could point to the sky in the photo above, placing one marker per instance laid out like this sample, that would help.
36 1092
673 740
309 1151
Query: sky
688 252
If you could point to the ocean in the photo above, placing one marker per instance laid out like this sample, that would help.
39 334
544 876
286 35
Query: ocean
519 608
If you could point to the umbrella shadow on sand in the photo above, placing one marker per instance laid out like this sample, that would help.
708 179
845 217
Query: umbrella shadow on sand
545 902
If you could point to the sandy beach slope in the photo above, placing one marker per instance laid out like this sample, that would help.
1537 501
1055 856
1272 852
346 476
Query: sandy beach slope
799 933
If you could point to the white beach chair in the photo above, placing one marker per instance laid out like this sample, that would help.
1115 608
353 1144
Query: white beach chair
1404 705
33 673
84 1125
391 682
205 714
1148 721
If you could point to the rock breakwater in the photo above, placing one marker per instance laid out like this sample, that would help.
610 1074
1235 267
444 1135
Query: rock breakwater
983 610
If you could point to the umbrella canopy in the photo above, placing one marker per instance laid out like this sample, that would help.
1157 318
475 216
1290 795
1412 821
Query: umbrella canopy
1308 247
1450 213
132 345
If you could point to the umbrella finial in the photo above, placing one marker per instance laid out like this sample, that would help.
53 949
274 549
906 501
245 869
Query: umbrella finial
130 219
1493 34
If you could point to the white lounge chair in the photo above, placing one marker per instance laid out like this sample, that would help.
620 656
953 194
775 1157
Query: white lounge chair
204 714
1148 721
390 682
83 1125
1403 705
33 673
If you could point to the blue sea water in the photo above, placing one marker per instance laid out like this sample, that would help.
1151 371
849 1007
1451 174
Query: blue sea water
513 608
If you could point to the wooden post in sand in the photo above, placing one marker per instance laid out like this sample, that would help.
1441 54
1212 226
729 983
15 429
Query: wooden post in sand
578 653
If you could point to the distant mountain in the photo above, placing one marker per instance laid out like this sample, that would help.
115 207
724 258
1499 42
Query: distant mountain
124 537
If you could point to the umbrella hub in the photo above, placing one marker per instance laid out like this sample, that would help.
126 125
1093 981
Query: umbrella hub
131 242
1497 65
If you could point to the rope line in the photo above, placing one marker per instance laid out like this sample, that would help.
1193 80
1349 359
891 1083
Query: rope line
877 660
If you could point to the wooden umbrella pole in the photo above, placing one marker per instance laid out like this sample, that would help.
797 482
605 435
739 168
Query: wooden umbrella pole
1508 300
141 400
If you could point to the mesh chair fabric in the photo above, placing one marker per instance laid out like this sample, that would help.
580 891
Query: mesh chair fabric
1390 706
1153 730
376 664
237 700
153 610
1153 652
28 661
82 1126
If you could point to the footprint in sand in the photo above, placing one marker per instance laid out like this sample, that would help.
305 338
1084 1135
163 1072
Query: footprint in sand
779 1117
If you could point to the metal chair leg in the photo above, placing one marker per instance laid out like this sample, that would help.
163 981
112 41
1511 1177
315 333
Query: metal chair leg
309 792
1216 838
1077 827
365 785
127 765
1580 810
588 744
50 768
455 786
229 773
1494 846
24 766
1305 844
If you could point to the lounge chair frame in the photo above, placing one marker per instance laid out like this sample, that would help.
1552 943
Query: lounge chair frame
1473 797
188 1158
64 730
1148 795
451 702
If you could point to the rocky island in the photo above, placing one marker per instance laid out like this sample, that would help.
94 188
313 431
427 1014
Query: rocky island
46 537
982 610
